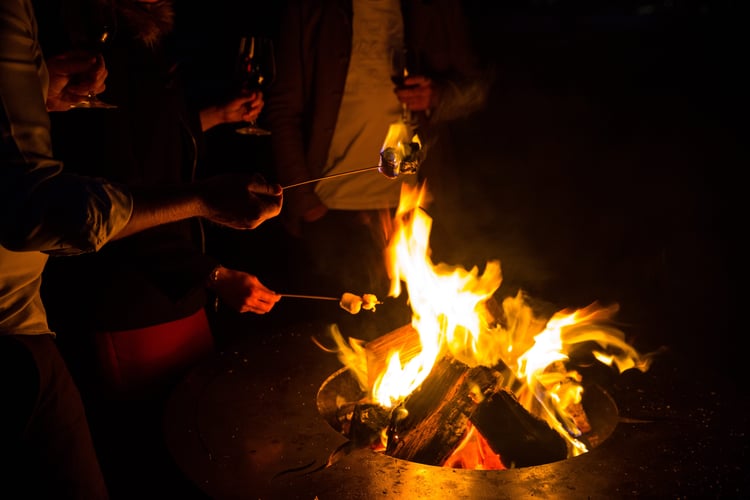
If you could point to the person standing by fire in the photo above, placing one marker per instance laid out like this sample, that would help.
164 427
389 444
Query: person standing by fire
46 445
330 109
141 322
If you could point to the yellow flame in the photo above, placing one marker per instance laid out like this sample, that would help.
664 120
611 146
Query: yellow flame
452 317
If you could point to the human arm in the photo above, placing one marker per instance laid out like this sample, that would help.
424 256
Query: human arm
237 201
301 123
42 208
441 42
243 108
449 98
242 291
72 76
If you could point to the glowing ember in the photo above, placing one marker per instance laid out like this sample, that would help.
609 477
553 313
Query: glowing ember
474 453
452 317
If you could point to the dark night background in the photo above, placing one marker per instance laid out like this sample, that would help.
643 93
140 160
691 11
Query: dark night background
604 167
607 166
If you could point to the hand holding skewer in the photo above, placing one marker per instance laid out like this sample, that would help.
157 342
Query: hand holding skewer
348 301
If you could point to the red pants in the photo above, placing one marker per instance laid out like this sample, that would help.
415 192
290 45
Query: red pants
145 360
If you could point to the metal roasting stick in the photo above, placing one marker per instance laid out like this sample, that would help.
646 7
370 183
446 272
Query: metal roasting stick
309 181
316 297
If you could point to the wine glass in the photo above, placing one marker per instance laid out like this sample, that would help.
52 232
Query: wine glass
404 63
255 71
92 31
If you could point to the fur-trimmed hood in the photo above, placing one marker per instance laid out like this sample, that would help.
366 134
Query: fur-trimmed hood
147 22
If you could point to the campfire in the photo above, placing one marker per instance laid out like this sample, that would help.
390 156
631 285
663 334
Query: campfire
472 382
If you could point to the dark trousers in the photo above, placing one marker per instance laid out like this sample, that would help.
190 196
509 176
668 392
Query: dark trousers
45 443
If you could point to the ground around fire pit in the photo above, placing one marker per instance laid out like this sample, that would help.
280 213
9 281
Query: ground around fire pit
604 168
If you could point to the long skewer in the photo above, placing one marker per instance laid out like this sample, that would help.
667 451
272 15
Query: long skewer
332 176
315 297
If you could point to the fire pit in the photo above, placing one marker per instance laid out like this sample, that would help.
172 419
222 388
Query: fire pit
473 381
264 419
247 424
600 408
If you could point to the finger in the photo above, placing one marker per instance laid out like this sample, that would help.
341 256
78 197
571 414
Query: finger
72 62
257 308
244 102
417 81
268 298
258 178
253 105
83 88
265 188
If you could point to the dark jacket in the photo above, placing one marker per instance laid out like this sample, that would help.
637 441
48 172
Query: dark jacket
157 275
42 208
312 60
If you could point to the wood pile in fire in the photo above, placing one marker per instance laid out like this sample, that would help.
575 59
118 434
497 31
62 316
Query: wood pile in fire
430 424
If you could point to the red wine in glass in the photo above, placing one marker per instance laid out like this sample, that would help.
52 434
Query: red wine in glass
93 32
255 71
404 63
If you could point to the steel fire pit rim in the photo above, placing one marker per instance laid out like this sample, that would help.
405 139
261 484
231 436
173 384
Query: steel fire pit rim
601 409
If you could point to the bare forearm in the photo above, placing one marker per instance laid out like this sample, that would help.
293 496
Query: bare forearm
210 117
151 211
234 200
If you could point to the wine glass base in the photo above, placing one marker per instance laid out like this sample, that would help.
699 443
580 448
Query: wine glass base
253 131
92 105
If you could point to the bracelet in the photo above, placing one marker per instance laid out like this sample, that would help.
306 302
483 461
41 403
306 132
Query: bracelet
213 279
213 276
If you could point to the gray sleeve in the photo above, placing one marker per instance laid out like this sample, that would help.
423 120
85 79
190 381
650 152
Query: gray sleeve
41 208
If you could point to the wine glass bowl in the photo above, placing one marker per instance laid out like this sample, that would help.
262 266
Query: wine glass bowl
399 66
255 71
92 32
404 63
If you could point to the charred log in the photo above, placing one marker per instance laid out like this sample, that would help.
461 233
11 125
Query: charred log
367 425
433 420
520 438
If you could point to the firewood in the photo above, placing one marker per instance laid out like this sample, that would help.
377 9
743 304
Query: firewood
404 340
433 420
520 438
367 425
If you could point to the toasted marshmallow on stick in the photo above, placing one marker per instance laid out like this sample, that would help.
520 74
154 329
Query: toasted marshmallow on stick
355 303
351 303
369 301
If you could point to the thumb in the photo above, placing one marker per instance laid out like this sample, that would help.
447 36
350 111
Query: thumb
72 62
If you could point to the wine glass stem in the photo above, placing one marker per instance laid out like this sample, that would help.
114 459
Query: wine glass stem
405 113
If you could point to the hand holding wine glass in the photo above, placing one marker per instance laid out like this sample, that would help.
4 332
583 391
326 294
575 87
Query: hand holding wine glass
255 71
399 72
73 75
94 45
90 32
413 89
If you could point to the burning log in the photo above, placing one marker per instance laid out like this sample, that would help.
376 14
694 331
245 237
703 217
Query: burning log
367 425
433 420
520 438
404 340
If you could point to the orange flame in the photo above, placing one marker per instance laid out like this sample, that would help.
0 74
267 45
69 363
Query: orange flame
451 315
